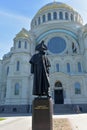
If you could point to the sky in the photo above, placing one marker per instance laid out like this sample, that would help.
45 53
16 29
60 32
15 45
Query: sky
17 14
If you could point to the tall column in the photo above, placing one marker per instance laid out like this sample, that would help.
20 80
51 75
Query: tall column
67 99
25 87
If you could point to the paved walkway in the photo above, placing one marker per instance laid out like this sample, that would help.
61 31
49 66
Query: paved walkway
78 122
16 123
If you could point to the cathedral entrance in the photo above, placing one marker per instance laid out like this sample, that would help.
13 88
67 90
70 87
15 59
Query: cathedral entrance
58 93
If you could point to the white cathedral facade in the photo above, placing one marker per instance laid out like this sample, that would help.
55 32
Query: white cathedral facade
62 29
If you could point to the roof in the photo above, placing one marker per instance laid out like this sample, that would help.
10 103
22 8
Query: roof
54 5
22 34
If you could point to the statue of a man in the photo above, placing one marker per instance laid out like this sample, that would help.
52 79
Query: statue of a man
40 68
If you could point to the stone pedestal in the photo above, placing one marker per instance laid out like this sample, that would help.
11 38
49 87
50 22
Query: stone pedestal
42 111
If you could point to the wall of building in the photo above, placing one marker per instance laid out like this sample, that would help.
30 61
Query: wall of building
15 66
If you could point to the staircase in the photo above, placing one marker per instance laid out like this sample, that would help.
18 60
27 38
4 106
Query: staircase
63 109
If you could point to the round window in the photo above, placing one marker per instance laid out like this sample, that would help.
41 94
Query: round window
56 45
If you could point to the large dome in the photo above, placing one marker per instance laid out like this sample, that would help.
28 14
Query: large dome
54 5
56 11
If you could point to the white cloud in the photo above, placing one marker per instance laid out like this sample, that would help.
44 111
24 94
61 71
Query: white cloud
14 16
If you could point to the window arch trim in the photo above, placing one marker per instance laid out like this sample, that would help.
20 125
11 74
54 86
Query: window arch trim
79 67
77 88
68 67
66 16
54 15
18 65
44 18
17 88
58 84
60 15
19 44
49 16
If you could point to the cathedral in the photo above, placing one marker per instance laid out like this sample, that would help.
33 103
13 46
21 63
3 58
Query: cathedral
61 27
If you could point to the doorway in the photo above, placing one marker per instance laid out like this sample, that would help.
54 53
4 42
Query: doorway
58 96
58 93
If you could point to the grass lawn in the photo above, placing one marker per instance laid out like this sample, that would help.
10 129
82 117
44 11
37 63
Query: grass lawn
2 119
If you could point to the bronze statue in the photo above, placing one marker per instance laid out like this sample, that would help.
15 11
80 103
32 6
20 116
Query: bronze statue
40 68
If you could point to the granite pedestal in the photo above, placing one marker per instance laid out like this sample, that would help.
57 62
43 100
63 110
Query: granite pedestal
42 110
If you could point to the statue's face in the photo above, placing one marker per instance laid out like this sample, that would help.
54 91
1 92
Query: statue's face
41 51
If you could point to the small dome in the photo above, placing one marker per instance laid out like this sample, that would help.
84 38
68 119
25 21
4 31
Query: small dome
22 34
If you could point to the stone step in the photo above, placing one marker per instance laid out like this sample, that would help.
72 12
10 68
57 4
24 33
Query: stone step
63 108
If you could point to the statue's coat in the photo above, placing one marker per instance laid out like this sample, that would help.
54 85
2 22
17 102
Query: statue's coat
40 68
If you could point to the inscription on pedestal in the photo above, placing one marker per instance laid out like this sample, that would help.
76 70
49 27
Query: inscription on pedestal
42 114
41 107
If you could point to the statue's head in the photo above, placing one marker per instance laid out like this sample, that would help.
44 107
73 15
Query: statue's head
41 47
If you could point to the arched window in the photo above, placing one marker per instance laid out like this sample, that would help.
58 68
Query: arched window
72 18
66 16
77 88
35 22
57 67
49 16
79 67
16 90
19 44
7 70
60 15
5 92
74 48
58 84
39 21
54 15
18 66
68 67
44 18
25 45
